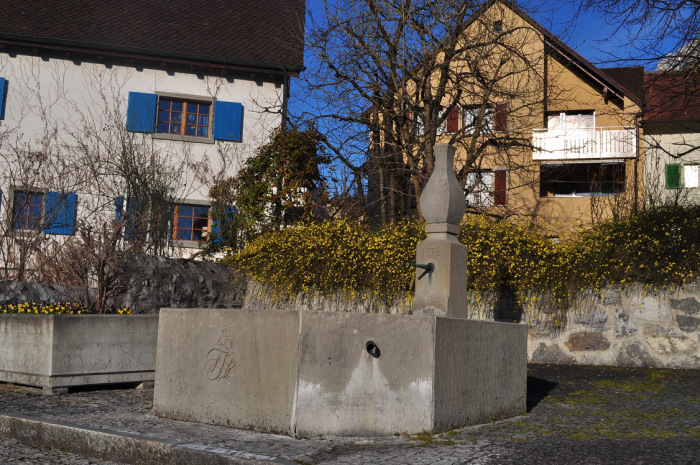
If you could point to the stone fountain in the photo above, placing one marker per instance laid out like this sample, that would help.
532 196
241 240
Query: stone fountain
310 373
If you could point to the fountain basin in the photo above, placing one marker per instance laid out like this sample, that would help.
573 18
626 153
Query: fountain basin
347 374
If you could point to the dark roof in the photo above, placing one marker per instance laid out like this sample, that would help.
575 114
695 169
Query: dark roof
556 44
630 77
671 96
255 34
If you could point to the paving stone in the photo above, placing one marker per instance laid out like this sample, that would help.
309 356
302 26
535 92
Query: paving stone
575 415
16 453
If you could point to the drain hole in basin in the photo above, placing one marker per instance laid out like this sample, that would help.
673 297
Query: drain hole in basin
373 349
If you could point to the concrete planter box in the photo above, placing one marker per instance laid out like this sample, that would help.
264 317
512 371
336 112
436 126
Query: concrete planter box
55 352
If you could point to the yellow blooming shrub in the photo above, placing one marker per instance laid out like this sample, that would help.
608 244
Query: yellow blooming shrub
333 256
63 308
659 247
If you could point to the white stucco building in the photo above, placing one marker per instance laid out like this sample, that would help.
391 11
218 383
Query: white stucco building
671 124
103 100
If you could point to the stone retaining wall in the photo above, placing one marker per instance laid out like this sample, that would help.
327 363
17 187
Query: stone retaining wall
625 328
632 327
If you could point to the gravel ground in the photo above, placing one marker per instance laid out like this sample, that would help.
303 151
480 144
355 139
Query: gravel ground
576 415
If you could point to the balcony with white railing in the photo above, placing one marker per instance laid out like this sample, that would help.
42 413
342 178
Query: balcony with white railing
584 144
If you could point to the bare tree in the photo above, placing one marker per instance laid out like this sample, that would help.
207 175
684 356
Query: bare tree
667 30
397 77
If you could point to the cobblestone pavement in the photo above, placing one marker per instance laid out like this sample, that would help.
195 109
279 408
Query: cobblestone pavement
16 453
576 415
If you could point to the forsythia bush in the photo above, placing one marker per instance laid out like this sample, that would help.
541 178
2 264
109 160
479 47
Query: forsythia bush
659 247
333 256
65 308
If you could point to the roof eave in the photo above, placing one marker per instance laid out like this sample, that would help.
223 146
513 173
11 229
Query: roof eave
148 54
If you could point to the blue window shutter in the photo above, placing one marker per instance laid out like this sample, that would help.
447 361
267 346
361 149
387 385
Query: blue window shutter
3 96
228 121
119 209
141 113
60 213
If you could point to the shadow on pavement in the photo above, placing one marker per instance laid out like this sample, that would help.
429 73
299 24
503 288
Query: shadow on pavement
537 389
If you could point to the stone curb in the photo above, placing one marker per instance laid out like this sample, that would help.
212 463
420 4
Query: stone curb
122 447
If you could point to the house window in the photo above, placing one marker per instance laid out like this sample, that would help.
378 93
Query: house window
50 212
470 118
190 222
691 176
571 121
487 188
178 117
673 176
498 27
420 126
478 188
581 179
184 118
416 123
28 212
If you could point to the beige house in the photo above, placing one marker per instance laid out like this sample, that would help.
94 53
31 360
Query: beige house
541 133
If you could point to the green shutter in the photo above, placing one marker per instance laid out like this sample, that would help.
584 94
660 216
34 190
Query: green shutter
228 121
673 176
60 213
141 112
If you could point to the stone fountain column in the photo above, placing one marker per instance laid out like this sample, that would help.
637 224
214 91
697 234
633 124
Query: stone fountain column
442 291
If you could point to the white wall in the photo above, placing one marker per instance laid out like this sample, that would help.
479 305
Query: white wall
659 151
58 110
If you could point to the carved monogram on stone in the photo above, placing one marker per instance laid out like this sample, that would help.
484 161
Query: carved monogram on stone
220 359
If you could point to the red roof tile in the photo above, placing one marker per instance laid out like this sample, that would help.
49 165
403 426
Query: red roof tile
629 77
671 96
265 34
